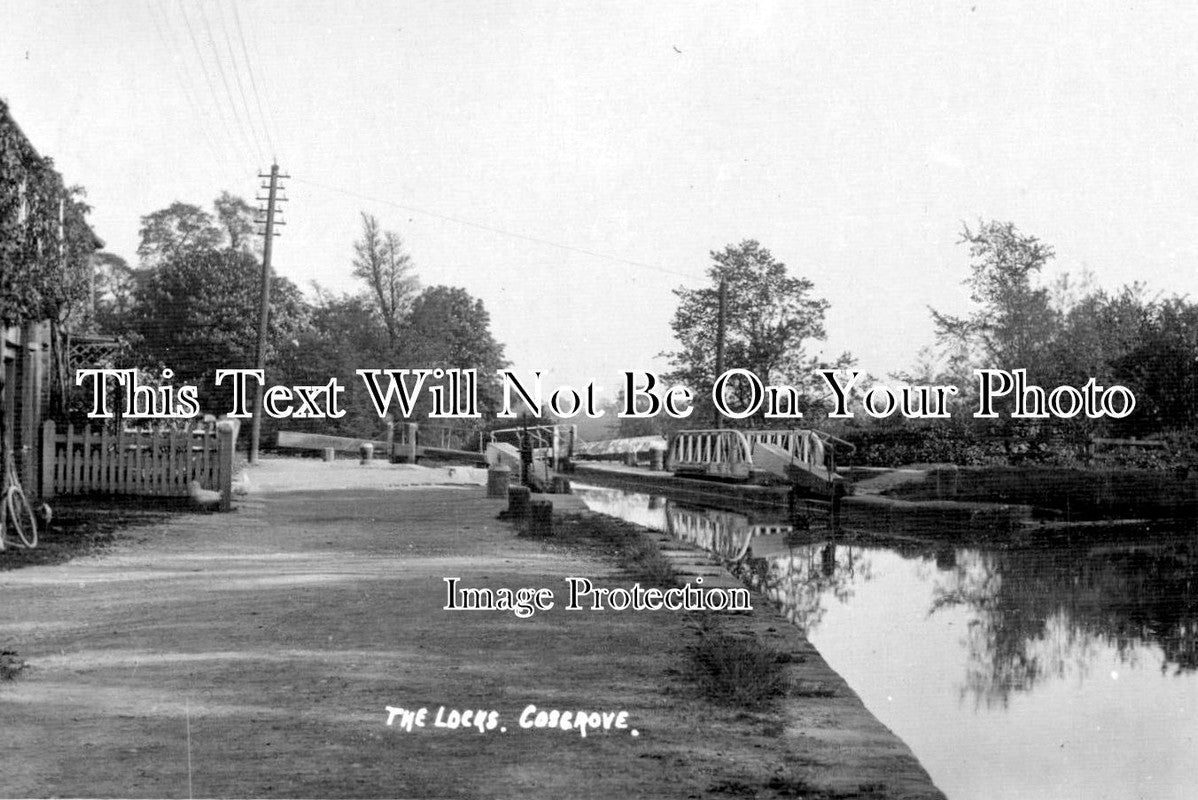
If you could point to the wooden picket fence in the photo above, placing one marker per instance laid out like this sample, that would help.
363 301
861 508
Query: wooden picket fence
157 460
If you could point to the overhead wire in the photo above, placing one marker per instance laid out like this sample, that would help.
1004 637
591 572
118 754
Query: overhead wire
265 126
171 50
217 106
495 230
253 82
245 103
220 68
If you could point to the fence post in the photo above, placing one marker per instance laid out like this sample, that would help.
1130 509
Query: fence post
390 440
47 487
224 468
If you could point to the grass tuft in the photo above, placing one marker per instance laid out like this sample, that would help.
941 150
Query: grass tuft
11 665
737 671
643 562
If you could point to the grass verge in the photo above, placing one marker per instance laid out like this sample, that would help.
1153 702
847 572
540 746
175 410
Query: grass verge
736 671
85 525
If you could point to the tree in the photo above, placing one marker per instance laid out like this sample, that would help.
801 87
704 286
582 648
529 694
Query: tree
380 261
343 334
1068 336
179 228
1162 368
769 317
183 228
449 329
1015 321
198 312
1096 330
236 218
115 291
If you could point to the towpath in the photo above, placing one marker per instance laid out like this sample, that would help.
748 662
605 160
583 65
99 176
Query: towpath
255 654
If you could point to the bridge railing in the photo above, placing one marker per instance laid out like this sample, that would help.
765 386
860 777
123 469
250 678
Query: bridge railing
806 445
722 452
724 533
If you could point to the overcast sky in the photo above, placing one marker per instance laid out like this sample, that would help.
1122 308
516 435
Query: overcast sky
851 139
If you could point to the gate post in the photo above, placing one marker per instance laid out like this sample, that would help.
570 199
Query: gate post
48 455
224 462
405 451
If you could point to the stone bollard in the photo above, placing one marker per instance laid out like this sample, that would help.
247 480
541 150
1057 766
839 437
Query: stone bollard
328 454
630 459
560 485
540 518
499 480
657 460
518 499
366 451
409 449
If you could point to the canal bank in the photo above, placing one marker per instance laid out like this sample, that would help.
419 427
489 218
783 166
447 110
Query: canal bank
1059 666
831 744
259 653
965 501
635 478
869 503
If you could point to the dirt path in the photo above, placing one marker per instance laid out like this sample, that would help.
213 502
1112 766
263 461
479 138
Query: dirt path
254 653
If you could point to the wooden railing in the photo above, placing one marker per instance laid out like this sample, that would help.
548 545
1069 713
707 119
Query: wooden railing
157 460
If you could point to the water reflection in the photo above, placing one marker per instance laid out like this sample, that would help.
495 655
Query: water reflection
774 554
1042 613
1058 670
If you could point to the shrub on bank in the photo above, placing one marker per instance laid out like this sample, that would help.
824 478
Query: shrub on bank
1014 443
894 446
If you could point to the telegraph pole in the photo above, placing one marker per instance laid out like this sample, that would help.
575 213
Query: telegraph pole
269 234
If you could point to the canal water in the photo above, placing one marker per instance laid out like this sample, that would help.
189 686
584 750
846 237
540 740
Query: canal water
1057 670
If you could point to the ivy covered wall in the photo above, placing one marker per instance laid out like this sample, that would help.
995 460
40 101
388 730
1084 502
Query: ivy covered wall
45 241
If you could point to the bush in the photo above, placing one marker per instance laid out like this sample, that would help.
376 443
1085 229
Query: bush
1012 443
923 444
